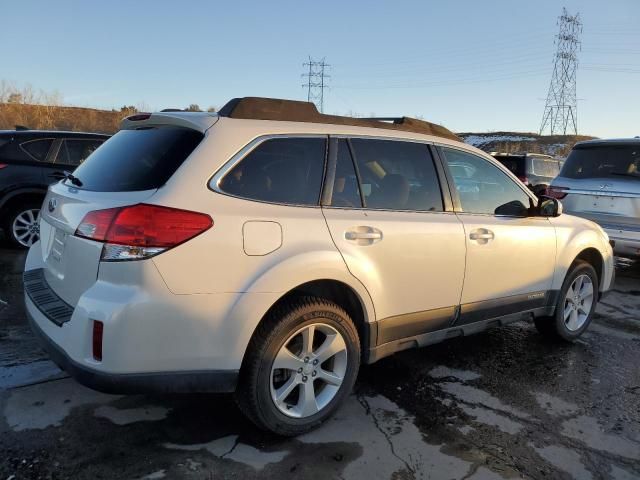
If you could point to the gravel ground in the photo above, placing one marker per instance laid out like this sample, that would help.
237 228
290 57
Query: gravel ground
501 404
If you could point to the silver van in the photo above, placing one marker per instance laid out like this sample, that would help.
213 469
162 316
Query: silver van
600 181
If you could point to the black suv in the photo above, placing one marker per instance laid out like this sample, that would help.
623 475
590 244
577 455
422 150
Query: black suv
533 169
30 160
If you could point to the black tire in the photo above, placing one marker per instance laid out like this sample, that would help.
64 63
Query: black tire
555 327
12 213
254 389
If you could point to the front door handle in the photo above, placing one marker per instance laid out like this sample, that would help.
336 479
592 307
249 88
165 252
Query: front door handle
363 235
482 235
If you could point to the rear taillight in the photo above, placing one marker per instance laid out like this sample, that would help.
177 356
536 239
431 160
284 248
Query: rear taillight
524 180
141 231
3 165
557 192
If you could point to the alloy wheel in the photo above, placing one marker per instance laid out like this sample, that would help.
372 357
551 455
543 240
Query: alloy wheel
578 302
26 227
308 370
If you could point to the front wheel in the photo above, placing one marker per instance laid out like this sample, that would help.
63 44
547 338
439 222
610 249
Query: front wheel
576 304
301 363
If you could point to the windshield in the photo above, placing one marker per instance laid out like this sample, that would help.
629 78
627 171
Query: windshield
603 162
135 160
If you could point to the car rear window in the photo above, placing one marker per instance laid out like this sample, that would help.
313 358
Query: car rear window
546 168
515 164
603 162
142 159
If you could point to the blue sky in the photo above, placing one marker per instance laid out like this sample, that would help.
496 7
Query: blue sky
470 65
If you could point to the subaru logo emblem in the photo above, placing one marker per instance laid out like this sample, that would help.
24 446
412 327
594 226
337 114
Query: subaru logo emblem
53 203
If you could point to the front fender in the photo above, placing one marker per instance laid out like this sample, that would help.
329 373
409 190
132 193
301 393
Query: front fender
573 236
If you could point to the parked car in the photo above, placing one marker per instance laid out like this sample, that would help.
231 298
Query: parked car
600 181
533 169
30 160
269 250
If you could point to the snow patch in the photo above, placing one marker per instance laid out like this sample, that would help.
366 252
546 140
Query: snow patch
477 140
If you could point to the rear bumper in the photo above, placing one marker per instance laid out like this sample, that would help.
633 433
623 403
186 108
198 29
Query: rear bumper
157 382
625 246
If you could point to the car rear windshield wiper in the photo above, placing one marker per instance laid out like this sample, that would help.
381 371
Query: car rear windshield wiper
73 179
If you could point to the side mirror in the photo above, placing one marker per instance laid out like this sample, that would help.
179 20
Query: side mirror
549 207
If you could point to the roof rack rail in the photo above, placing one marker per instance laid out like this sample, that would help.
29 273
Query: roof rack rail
259 108
164 110
396 120
20 128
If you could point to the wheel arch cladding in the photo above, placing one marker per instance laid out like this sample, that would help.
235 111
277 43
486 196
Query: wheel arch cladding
338 292
593 257
21 196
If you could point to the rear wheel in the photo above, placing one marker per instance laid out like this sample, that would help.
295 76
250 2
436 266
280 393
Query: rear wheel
22 224
301 363
576 304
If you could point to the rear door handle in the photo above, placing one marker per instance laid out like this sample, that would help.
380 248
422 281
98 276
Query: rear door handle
363 235
483 235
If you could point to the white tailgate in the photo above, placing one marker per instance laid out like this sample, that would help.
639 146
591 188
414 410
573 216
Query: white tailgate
72 262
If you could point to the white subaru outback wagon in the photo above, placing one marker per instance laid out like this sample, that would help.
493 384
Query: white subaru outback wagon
270 249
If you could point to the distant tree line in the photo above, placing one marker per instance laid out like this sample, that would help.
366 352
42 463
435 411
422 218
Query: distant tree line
42 110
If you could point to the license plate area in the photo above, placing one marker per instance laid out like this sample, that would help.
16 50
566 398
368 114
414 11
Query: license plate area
57 245
54 251
603 204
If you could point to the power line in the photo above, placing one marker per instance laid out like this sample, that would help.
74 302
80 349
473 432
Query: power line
316 82
560 111
450 81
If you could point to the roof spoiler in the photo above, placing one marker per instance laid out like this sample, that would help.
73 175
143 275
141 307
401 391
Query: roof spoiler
258 108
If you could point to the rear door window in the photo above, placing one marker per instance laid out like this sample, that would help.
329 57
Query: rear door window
135 160
37 149
76 151
397 175
280 170
346 191
603 162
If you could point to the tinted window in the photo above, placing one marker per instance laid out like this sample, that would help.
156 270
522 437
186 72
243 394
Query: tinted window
346 192
484 188
397 175
515 164
137 159
603 162
37 149
546 168
74 152
280 170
